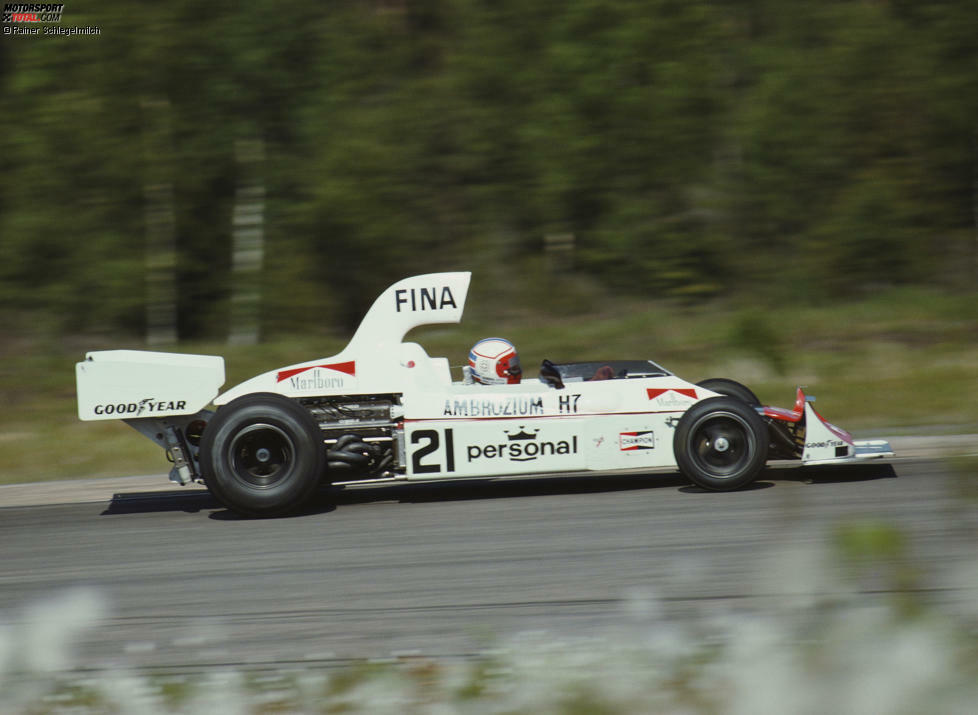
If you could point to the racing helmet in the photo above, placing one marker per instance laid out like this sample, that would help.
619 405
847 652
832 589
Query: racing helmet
493 361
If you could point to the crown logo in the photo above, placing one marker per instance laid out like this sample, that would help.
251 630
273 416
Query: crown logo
521 435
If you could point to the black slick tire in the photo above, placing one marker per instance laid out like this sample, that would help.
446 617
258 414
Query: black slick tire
262 455
731 388
721 444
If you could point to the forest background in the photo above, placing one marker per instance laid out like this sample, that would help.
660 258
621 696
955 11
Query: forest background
780 192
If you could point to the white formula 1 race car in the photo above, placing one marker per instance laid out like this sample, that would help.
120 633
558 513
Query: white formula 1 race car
383 410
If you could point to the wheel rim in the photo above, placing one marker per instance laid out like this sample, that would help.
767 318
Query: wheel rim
721 444
261 455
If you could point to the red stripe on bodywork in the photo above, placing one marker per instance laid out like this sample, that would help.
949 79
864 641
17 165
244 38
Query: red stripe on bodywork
687 391
350 368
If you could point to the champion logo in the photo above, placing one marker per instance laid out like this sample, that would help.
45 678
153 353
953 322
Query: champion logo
349 368
634 441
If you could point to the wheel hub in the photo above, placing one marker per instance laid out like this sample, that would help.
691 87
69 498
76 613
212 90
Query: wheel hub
261 455
720 444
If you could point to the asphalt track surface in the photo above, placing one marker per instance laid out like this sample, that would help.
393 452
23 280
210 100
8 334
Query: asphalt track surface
449 569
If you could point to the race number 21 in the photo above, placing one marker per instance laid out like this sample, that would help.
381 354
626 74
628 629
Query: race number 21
424 459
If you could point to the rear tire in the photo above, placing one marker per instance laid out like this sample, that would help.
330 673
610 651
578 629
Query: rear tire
262 455
721 444
731 388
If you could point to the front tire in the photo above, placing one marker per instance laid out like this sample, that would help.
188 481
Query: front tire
721 444
262 455
731 388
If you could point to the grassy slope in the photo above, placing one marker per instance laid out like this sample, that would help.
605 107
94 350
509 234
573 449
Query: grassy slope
906 360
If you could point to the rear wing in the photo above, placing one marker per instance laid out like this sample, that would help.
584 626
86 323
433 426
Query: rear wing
131 384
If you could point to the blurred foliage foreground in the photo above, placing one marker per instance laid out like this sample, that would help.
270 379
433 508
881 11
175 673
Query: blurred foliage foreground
824 641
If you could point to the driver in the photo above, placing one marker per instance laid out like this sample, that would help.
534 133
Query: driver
493 361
